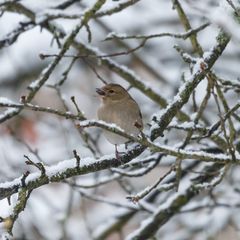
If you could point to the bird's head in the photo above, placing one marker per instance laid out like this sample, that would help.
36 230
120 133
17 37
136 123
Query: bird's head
112 92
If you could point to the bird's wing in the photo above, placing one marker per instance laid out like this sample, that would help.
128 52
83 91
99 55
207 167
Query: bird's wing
139 123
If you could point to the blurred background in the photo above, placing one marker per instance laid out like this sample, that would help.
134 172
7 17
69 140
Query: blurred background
60 211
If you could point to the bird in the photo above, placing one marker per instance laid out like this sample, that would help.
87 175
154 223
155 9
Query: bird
118 107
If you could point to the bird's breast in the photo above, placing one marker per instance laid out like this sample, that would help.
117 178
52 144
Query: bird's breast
121 116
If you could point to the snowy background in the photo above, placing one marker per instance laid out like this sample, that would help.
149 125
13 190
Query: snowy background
68 211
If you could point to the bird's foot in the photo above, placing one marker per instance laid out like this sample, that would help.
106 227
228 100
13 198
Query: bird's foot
119 154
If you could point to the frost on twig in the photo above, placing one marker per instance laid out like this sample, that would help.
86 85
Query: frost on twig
189 145
66 169
185 91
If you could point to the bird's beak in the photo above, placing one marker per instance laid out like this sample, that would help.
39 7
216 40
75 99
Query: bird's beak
100 92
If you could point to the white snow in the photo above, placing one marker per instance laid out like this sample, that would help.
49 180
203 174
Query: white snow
6 101
160 70
9 112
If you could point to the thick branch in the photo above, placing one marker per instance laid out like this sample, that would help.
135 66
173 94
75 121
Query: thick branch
186 90
66 169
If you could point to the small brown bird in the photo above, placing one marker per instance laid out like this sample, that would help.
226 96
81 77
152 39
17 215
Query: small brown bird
120 108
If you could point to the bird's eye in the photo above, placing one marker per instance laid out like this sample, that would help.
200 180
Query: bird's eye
111 91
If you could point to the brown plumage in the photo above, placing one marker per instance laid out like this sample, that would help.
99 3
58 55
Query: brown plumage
120 108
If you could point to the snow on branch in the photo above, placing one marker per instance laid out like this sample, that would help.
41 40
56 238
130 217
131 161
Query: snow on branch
182 154
174 204
69 168
184 36
165 211
36 85
66 169
10 104
201 68
156 147
121 70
